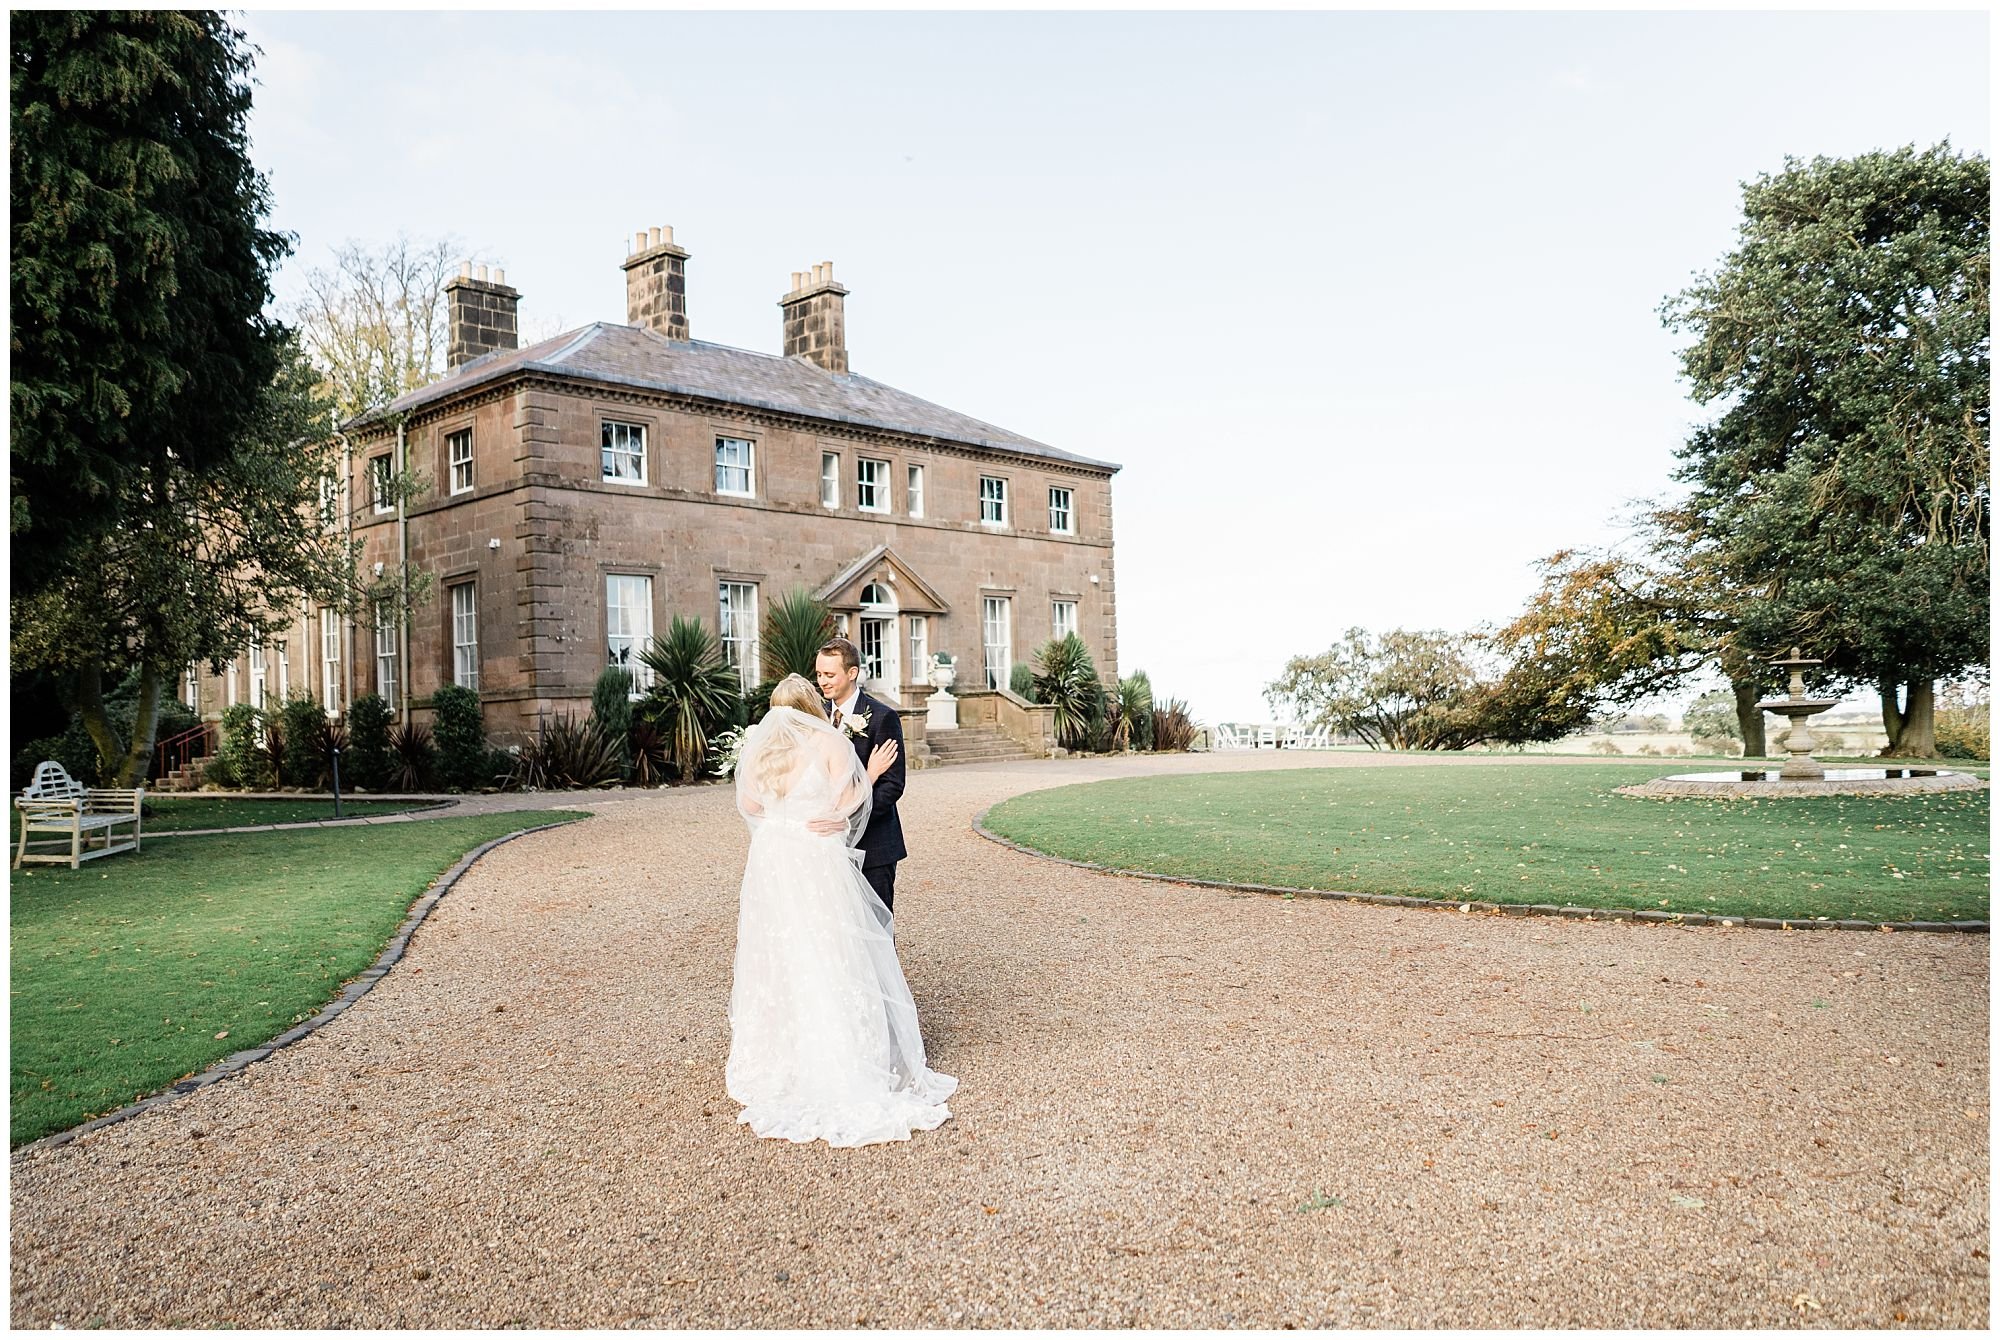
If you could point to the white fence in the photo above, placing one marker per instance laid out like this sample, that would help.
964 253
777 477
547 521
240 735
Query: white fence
1235 735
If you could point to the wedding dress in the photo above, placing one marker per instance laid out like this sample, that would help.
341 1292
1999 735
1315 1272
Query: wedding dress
823 1032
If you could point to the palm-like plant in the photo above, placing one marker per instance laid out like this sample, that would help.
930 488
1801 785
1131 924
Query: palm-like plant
795 627
1174 727
695 693
1133 712
1066 679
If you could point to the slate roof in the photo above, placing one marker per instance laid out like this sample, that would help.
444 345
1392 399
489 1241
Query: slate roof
641 358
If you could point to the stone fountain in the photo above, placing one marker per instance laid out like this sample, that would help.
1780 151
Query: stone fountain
1802 775
1795 707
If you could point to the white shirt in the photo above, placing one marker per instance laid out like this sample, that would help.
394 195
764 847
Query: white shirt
846 709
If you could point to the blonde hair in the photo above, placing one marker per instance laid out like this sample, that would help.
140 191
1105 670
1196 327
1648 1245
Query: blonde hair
775 761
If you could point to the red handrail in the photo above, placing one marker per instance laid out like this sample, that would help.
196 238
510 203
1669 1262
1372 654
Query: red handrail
179 750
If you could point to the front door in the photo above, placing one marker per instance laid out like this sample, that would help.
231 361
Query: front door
880 672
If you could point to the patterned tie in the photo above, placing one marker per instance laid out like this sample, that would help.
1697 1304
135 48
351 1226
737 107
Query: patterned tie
836 715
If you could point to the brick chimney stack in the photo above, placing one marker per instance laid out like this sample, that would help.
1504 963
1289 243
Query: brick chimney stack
481 314
656 284
816 318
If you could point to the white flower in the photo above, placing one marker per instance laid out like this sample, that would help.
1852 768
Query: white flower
728 747
855 723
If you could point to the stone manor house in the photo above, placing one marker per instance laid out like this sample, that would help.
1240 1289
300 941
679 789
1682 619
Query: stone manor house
586 489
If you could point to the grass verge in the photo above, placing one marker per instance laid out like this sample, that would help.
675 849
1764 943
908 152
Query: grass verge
179 814
1529 834
141 969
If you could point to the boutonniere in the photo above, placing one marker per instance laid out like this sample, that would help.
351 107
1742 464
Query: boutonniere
855 723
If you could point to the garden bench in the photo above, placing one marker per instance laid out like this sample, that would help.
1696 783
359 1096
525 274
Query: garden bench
86 819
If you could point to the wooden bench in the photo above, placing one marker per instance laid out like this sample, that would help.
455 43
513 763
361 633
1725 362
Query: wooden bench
86 820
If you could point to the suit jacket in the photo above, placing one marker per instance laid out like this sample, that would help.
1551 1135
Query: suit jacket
882 840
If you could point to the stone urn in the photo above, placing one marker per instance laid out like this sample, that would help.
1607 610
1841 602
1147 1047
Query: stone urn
943 714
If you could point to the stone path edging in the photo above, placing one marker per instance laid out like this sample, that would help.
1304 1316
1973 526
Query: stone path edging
354 990
399 817
1646 916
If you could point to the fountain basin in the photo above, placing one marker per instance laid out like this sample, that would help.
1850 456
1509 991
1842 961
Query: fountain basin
1752 782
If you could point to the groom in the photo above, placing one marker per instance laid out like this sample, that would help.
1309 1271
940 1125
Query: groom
871 724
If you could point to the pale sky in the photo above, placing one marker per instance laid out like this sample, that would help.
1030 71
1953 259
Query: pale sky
1364 303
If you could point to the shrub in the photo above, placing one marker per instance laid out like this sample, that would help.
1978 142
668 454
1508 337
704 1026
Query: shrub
1022 682
276 753
566 753
460 738
648 751
1067 681
611 711
695 694
73 749
1174 727
240 753
302 728
1964 722
1605 747
1131 713
369 761
414 761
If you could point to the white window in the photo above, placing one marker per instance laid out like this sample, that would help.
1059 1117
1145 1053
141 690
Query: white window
380 476
739 629
829 479
871 485
920 646
329 500
624 452
459 447
388 652
1062 512
284 672
628 626
992 501
734 472
999 629
878 641
916 490
1063 618
257 675
329 661
464 637
191 688
229 686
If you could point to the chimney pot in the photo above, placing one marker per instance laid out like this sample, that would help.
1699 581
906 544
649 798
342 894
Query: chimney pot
652 237
465 269
479 273
638 242
499 275
667 233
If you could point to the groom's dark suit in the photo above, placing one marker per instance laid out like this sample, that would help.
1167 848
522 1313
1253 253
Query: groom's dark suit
882 841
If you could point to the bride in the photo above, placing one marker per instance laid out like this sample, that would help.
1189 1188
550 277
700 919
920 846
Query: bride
824 1042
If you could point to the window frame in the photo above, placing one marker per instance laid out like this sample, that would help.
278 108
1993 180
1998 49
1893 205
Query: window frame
748 467
329 661
452 461
608 450
999 499
388 653
748 658
381 477
913 490
1068 526
997 679
919 632
879 485
640 633
461 622
1056 630
829 480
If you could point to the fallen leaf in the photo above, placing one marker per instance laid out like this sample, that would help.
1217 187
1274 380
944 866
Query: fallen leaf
223 1034
1689 1203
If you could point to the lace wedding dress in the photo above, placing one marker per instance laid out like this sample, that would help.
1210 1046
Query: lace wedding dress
823 1033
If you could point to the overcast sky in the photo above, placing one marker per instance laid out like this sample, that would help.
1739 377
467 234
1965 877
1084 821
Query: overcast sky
1364 303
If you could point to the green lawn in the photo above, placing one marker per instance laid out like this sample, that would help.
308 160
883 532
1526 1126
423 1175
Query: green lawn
140 969
1529 834
173 814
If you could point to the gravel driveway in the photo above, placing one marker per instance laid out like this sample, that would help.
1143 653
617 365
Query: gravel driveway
1179 1108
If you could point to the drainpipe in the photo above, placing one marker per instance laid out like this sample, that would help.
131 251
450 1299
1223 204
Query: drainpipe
347 527
403 570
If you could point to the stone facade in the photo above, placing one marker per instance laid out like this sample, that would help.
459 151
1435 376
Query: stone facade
710 489
483 315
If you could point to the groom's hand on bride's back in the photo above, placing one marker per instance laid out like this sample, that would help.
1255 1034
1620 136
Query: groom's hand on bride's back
881 759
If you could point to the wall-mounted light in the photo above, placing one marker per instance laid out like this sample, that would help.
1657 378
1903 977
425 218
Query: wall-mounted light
493 544
1093 579
378 568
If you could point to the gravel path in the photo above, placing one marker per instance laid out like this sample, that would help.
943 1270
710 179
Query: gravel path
1180 1108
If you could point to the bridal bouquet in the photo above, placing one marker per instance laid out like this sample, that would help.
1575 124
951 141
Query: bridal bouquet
728 746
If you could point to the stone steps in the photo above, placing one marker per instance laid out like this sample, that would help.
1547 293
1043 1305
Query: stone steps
972 745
